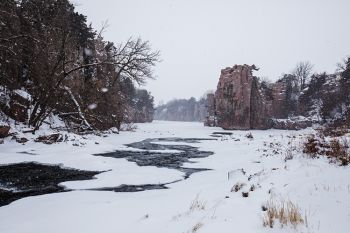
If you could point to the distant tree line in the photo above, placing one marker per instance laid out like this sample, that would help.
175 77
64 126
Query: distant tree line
182 110
48 51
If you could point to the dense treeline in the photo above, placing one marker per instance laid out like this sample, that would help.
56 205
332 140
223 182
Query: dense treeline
52 62
327 96
182 110
323 97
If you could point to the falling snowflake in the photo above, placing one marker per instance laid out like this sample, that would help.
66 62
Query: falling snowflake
92 106
88 52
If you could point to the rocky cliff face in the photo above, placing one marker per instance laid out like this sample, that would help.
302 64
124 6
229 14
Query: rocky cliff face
241 101
232 97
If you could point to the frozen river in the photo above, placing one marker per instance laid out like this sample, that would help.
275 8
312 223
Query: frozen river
183 183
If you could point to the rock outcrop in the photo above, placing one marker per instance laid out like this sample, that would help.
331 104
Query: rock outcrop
241 101
4 131
15 105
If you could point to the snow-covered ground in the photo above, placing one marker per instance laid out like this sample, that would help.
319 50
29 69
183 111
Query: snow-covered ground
202 203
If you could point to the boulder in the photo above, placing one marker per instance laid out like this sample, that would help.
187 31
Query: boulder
49 139
19 140
4 131
16 108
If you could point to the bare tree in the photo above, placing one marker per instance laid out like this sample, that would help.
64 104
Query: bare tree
302 72
48 49
341 66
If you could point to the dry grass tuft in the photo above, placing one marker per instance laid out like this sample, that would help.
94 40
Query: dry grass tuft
249 135
285 212
196 204
252 187
290 149
196 227
238 186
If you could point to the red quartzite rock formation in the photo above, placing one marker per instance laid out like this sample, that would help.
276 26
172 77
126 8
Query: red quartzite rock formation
240 101
232 97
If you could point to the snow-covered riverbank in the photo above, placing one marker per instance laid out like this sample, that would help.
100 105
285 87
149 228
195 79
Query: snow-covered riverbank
202 203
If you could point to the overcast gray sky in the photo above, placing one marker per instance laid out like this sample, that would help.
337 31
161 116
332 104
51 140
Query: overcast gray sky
197 38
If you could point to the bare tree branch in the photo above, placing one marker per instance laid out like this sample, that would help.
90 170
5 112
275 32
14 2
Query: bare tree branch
303 71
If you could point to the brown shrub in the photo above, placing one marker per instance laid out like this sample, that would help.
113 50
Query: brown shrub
312 146
339 151
335 131
336 150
